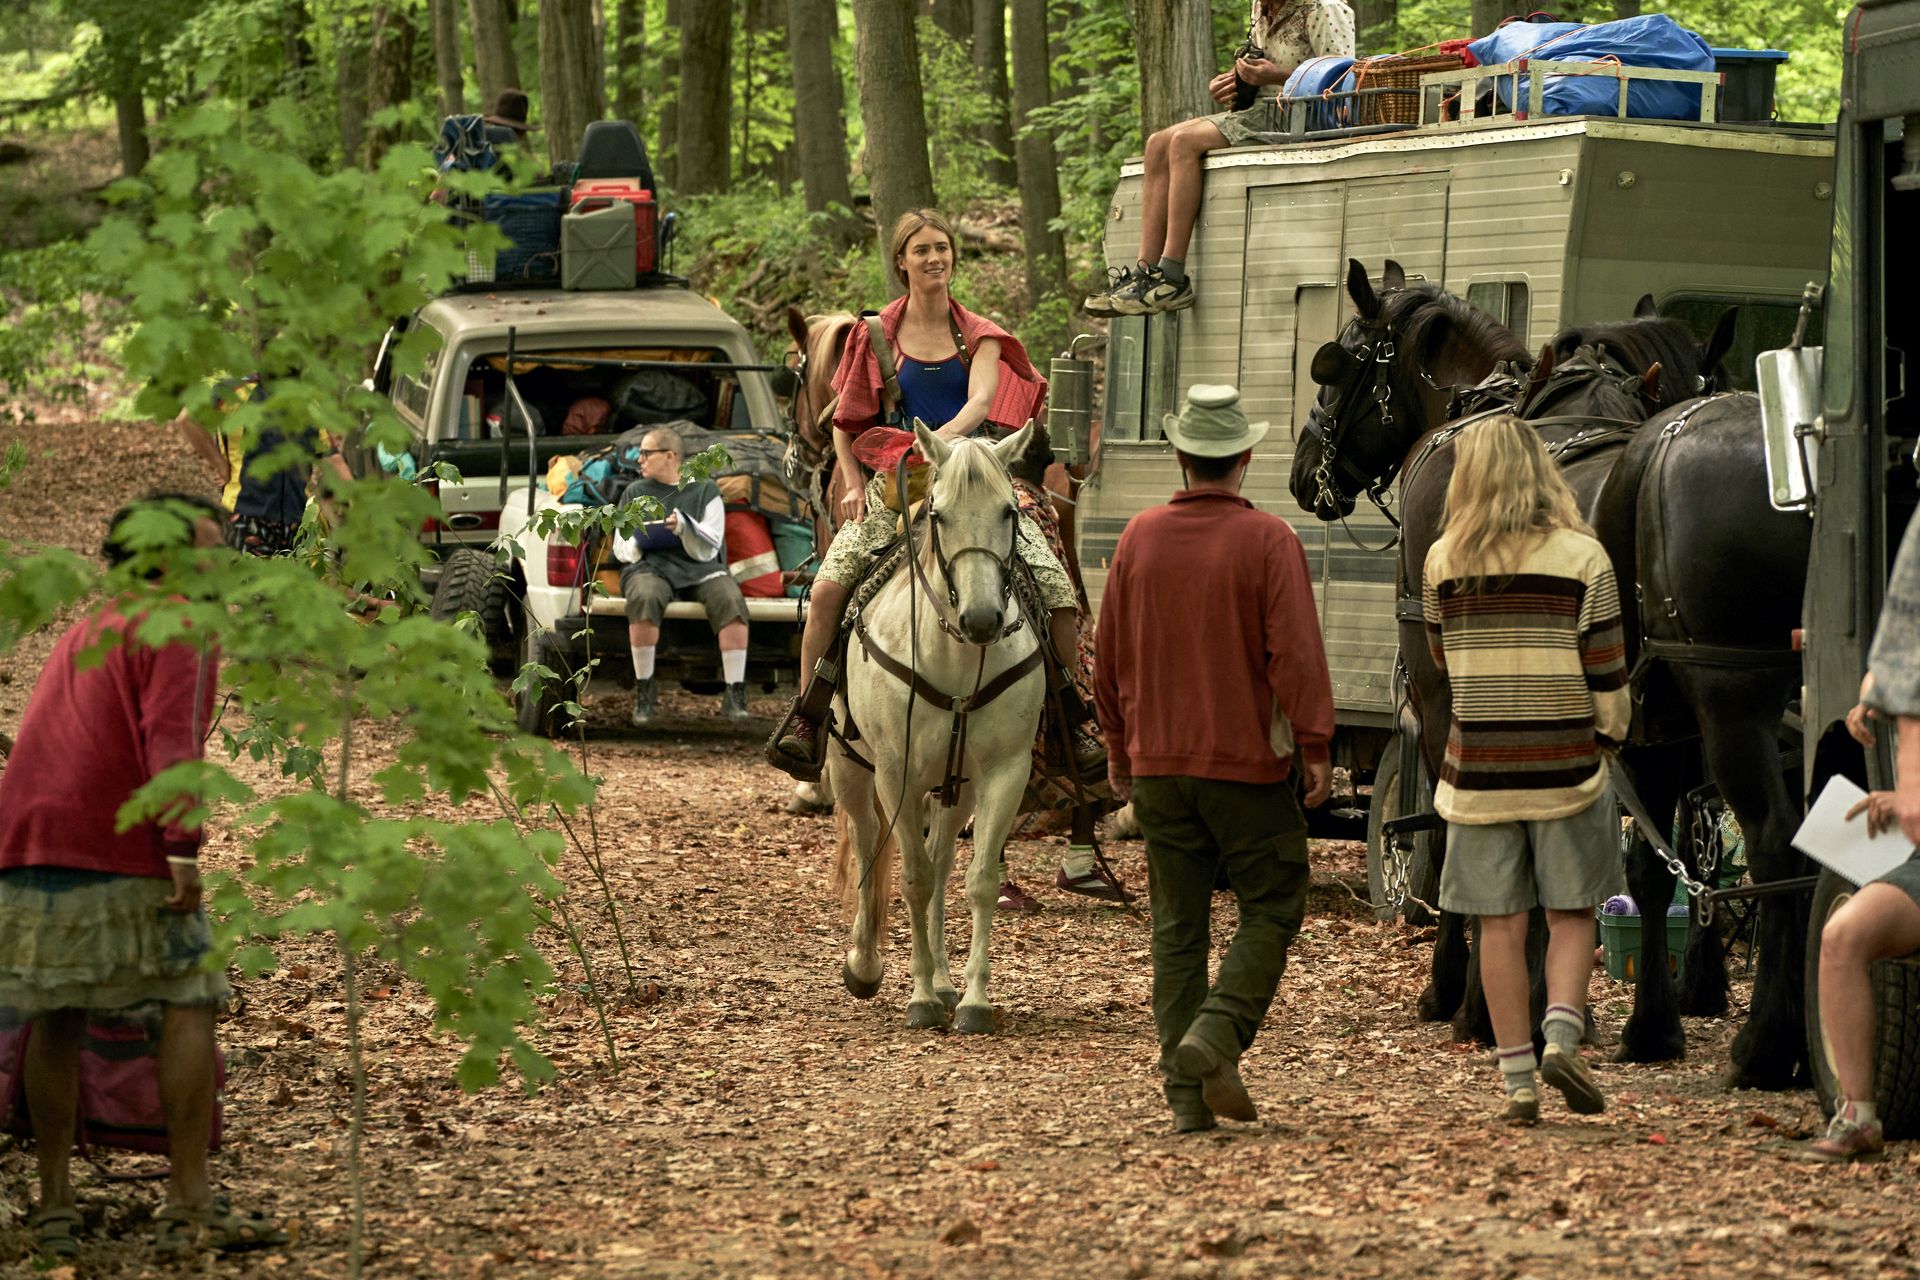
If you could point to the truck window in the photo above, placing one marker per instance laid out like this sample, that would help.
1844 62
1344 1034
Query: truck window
1316 322
1141 376
1506 301
1760 324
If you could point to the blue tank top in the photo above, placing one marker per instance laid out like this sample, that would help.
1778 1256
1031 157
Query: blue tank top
933 393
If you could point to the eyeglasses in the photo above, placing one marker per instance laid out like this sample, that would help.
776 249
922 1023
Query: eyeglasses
648 453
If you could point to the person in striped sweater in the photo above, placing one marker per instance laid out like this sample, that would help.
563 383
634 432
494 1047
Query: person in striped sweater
1523 616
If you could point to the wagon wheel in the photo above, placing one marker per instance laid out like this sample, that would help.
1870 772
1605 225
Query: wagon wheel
1896 999
1383 807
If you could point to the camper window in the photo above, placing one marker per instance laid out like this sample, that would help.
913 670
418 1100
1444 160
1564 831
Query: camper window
1504 300
1760 324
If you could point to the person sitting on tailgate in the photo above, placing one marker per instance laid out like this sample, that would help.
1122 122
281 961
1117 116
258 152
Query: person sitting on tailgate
680 557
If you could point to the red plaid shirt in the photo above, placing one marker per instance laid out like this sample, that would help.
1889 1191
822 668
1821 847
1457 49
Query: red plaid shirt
857 382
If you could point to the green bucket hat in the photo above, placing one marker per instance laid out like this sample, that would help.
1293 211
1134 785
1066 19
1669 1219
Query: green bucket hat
1212 425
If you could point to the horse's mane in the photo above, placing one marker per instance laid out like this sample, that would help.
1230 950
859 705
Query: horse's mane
826 335
1425 314
972 474
1641 343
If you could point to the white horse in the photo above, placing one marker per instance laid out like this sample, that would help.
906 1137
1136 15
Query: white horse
946 631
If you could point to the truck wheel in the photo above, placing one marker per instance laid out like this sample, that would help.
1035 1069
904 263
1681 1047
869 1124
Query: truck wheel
1381 809
537 706
472 582
1896 999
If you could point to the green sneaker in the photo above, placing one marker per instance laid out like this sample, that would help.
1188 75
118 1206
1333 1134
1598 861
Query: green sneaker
1570 1074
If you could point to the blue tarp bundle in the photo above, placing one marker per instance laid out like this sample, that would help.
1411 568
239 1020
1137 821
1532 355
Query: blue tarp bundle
1313 77
1650 40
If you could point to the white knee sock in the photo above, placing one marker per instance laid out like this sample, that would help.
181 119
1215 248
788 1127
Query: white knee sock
733 662
1078 862
642 660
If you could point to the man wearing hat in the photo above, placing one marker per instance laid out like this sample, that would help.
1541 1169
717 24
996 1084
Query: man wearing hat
1211 682
510 113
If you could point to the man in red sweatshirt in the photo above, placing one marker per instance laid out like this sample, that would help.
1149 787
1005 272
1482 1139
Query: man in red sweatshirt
96 918
1211 682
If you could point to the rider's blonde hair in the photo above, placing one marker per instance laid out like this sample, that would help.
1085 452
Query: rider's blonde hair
1505 491
910 224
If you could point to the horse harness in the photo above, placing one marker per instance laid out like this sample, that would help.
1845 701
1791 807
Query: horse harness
960 706
1679 646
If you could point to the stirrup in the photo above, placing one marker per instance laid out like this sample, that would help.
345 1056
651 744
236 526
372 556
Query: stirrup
801 770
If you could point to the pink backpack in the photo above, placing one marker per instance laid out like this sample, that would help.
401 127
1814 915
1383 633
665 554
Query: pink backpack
119 1082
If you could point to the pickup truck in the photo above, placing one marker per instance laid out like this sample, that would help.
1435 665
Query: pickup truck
584 367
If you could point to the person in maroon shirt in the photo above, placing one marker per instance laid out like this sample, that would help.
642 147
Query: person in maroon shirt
1211 680
97 919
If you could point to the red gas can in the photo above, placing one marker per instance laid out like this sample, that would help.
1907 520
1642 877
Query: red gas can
602 193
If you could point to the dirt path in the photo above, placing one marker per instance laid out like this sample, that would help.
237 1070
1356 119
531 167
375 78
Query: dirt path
762 1123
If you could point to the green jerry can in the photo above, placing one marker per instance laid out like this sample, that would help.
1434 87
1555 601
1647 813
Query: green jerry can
596 249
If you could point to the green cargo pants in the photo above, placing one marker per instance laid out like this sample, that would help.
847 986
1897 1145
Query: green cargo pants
1254 835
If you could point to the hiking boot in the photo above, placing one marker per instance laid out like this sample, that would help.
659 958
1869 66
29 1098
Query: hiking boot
1193 1121
1570 1074
1219 1075
1100 303
1090 885
1847 1140
646 703
1523 1106
795 751
1017 901
733 703
1150 292
1089 756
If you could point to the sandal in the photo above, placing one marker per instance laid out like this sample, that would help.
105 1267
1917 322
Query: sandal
216 1227
56 1231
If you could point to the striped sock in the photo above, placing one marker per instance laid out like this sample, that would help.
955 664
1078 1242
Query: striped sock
1516 1067
1563 1026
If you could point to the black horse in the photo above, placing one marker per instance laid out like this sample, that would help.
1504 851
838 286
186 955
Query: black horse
1679 500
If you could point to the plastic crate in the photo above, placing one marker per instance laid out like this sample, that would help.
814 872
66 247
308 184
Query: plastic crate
1620 939
531 221
1746 82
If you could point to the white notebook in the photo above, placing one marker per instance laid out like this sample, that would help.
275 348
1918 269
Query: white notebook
1831 840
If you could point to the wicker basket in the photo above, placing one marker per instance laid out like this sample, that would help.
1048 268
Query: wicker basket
1400 78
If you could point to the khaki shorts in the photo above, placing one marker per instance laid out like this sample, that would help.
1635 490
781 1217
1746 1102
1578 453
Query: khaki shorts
649 594
1242 127
1563 864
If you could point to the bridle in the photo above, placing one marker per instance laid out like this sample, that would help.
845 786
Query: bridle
944 563
1371 379
908 673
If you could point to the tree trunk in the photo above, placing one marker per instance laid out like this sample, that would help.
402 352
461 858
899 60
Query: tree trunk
706 97
567 79
1626 8
629 53
667 166
1173 46
955 17
494 65
597 48
757 52
1487 13
350 89
129 101
445 17
1374 22
886 59
819 114
1039 177
990 60
389 72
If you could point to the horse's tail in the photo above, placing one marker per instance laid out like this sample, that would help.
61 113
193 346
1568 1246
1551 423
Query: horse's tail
851 880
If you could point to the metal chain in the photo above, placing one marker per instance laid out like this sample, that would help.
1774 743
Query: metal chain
1396 873
1697 890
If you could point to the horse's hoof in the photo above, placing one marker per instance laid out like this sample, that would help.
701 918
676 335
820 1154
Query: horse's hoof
1775 1072
858 987
948 996
926 1015
1638 1044
1429 1009
973 1019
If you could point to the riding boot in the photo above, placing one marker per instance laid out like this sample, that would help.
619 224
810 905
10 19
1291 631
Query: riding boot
1089 756
798 746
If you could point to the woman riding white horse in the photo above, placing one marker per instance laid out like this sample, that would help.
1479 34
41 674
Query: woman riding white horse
945 683
960 372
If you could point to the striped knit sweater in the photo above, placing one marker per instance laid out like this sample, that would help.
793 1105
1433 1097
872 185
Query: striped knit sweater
1538 667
